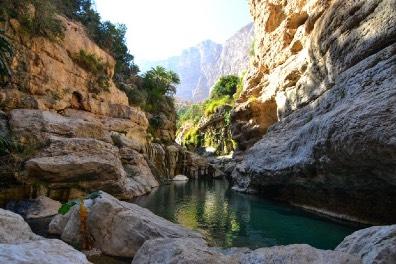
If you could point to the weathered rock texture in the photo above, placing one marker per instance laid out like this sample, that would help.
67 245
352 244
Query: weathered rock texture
19 245
325 73
118 228
169 161
199 67
74 138
40 207
47 251
215 131
376 244
13 229
183 250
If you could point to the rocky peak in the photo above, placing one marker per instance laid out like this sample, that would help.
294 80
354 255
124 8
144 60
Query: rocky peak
201 66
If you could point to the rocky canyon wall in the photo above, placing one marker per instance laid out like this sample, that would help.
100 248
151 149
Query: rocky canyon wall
316 122
70 135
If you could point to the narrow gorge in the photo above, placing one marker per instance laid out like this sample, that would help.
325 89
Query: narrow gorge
277 146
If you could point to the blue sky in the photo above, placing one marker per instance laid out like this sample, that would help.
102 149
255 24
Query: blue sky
158 29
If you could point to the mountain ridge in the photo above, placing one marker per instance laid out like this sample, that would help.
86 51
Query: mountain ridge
200 66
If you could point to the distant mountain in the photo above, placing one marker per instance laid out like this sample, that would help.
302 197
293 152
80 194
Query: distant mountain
199 67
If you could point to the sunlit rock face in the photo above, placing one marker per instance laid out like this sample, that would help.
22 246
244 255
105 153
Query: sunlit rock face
317 117
201 66
74 138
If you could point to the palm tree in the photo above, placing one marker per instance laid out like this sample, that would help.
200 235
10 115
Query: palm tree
161 81
5 54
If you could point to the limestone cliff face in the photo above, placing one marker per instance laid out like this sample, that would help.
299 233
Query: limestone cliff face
73 138
317 116
201 66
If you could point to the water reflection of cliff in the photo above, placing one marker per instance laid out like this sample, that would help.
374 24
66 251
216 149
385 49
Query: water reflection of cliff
231 219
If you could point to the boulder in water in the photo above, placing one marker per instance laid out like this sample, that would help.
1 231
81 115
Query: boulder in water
118 228
180 178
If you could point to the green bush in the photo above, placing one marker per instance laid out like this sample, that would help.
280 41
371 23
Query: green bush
37 17
94 65
109 36
191 113
90 62
192 137
225 92
225 86
213 104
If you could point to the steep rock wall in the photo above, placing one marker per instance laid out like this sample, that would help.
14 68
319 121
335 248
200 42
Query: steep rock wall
72 138
319 107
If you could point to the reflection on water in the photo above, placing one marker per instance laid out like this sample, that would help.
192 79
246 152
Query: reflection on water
230 219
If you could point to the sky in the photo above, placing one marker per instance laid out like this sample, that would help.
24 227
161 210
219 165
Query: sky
158 29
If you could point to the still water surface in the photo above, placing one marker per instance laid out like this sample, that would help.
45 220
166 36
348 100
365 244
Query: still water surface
232 219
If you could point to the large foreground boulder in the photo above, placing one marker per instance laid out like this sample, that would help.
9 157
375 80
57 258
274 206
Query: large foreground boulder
19 245
13 229
178 250
72 152
298 254
117 228
46 251
183 251
376 244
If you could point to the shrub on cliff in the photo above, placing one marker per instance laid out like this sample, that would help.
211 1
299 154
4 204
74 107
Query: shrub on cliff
225 86
224 93
100 79
37 17
191 113
109 36
6 52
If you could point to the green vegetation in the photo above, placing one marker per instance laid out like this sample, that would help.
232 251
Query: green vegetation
6 145
213 104
6 53
225 86
153 91
90 62
224 93
65 208
189 113
192 137
37 17
155 96
159 86
94 65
